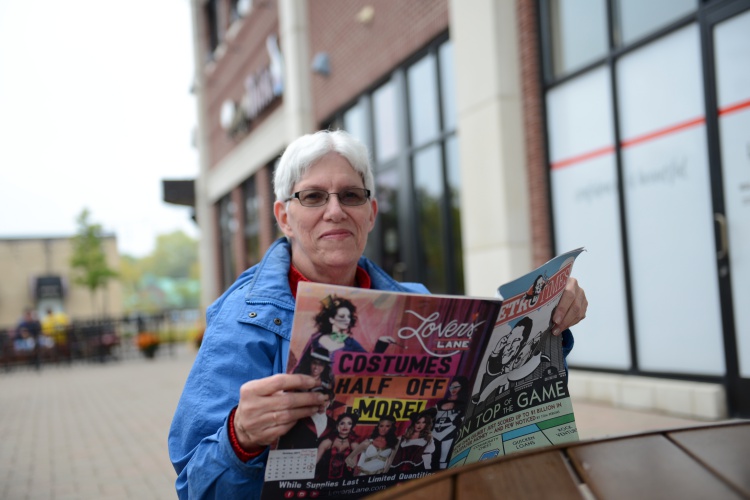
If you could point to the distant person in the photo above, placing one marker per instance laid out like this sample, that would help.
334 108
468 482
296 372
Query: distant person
55 326
29 332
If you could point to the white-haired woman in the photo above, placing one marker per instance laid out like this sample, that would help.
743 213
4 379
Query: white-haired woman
238 399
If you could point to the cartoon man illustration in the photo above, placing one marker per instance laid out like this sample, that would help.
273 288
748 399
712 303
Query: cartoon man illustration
532 295
514 357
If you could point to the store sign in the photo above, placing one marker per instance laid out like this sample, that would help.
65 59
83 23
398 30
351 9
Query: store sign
49 287
261 89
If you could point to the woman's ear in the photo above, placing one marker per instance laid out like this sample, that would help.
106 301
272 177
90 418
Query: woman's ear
282 217
373 213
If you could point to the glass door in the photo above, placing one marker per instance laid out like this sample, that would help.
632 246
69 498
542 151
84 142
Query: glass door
730 38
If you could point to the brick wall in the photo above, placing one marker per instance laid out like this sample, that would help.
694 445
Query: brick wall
241 53
361 53
531 78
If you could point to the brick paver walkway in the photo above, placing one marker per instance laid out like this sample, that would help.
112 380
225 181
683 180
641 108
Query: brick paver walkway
99 431
90 430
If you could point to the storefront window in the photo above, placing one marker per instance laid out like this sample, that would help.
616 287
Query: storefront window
585 203
385 122
413 121
642 17
422 83
356 124
252 222
454 189
430 195
387 187
578 30
668 205
227 229
448 86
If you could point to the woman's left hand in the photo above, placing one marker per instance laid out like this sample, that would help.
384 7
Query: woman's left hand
572 307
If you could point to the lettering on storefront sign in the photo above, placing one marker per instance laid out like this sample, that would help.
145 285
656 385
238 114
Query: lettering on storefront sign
668 174
260 90
592 191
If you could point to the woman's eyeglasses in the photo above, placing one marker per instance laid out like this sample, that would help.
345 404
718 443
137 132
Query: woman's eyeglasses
350 197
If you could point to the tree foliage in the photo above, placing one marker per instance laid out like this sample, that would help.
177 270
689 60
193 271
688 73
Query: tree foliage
168 278
89 259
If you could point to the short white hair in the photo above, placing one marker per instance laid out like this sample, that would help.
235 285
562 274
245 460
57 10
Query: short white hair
305 151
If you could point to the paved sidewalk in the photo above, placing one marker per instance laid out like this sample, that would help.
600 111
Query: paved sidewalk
91 430
99 431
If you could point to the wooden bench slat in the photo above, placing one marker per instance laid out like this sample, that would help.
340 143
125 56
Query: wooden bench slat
542 475
723 450
643 468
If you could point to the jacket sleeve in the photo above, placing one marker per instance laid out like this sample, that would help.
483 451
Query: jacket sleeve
199 445
567 342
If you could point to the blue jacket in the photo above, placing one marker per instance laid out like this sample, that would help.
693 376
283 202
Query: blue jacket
246 338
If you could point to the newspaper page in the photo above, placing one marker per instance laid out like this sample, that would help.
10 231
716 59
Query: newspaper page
520 398
396 368
411 386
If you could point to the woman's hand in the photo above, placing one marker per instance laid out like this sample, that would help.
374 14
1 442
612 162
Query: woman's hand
270 406
572 307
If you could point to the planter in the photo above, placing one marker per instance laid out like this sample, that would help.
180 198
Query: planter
150 350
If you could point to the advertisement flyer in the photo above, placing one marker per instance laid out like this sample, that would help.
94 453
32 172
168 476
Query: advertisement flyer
419 383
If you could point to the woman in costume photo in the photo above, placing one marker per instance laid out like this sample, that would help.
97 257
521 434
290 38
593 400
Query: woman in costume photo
336 447
374 455
450 413
414 453
317 364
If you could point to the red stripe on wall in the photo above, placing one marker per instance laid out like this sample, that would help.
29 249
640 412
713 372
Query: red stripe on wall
647 137
662 132
586 156
734 107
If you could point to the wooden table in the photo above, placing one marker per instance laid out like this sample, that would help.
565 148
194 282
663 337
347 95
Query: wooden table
705 462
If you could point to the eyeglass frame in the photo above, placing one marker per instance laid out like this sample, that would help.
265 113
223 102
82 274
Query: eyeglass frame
368 193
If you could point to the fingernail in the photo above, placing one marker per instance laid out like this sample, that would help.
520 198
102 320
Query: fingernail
555 331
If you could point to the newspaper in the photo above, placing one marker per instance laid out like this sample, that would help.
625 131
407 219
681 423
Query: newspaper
420 383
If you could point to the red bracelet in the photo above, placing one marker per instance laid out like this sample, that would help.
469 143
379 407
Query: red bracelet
241 454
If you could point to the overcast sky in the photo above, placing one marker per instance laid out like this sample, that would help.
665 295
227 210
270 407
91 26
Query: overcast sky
95 110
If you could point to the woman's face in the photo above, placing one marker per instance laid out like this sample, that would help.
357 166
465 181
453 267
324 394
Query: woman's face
316 368
420 424
453 390
341 320
329 239
344 427
384 427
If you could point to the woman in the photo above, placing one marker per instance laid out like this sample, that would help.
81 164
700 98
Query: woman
334 325
334 449
238 399
414 453
448 417
317 364
374 455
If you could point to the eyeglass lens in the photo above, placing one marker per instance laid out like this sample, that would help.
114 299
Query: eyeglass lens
318 197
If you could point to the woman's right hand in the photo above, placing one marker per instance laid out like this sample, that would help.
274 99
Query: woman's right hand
270 406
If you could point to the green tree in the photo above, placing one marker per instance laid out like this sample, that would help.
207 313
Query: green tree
174 256
89 259
168 278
